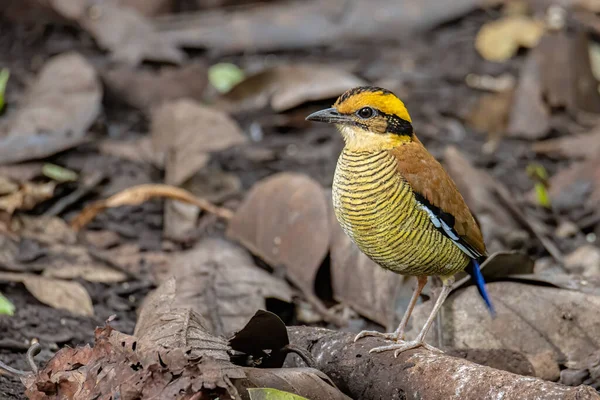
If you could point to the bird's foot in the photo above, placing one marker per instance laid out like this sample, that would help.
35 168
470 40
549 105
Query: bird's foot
402 346
395 336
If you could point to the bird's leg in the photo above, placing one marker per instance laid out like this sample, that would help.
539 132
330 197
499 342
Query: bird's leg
398 334
420 339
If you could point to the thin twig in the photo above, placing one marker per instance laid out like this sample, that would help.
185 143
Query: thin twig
139 194
11 371
33 351
88 184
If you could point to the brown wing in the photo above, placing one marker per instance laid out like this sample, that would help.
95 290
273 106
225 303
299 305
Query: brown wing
432 183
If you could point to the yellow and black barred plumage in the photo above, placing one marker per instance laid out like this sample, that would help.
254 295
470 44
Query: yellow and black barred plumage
396 201
377 208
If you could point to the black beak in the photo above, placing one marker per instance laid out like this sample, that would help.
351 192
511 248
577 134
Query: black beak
329 116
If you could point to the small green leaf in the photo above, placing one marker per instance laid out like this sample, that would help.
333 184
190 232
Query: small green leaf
58 173
224 76
538 174
272 394
6 307
4 75
542 195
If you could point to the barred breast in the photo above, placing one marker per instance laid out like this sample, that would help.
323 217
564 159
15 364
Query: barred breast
378 210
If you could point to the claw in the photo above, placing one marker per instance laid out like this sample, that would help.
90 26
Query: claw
395 336
403 346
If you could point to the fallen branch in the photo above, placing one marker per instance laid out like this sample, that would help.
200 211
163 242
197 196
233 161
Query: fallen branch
139 194
418 374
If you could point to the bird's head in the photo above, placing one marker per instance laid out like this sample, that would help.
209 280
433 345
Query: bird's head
369 118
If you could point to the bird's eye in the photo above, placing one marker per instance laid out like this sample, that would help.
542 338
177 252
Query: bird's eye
365 113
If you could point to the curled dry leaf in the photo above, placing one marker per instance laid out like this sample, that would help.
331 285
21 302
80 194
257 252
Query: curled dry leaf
221 282
114 365
362 284
123 31
519 324
56 112
144 88
187 132
258 349
56 293
140 194
167 320
287 86
284 220
499 40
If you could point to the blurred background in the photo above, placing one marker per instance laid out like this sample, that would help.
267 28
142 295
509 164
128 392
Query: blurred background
98 97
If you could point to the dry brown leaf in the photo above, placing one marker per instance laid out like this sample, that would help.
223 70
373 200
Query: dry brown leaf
44 229
501 39
220 281
168 320
490 115
137 150
56 293
91 273
575 146
556 69
55 113
362 284
569 325
187 132
128 258
123 31
287 86
574 187
144 88
140 194
284 220
307 382
22 172
114 365
27 197
529 117
293 25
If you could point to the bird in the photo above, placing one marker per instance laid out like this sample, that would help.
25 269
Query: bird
398 204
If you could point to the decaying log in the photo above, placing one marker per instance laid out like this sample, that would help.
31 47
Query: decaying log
418 374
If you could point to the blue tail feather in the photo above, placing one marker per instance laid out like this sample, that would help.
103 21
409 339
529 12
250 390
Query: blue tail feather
477 276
